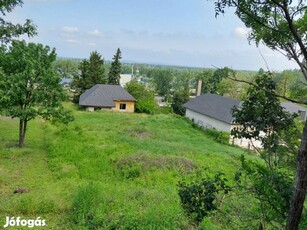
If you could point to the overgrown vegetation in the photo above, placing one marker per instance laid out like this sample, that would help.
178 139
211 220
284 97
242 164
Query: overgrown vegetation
199 198
144 96
218 136
108 170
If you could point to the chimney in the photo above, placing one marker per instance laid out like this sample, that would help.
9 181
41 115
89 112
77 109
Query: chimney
199 85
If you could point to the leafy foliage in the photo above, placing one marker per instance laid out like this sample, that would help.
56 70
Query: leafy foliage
91 72
199 198
163 79
179 98
219 136
261 117
29 86
9 31
280 25
273 189
212 80
145 98
67 68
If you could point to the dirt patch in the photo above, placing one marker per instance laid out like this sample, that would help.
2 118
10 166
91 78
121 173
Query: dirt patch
140 134
146 161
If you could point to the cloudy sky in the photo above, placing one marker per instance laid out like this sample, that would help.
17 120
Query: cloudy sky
176 32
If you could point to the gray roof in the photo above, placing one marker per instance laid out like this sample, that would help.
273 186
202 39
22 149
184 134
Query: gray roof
104 95
295 108
214 106
219 107
292 108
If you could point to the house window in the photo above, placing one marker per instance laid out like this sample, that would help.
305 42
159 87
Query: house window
122 106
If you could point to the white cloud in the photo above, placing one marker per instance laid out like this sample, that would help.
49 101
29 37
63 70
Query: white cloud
92 44
96 33
70 29
241 32
73 41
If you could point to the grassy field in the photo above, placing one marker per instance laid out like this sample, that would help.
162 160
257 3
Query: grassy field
107 170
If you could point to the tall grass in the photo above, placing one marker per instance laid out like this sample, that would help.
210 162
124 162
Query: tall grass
107 170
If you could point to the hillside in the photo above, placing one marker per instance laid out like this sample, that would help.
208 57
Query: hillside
108 170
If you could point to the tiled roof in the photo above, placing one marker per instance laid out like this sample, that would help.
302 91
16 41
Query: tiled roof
219 107
104 95
214 106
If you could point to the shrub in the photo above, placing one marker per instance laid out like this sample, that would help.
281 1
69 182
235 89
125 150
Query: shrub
199 198
271 187
145 98
218 136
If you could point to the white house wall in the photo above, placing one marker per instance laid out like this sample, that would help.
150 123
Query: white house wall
207 122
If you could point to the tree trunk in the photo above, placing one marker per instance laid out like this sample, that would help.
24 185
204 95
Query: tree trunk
298 197
22 132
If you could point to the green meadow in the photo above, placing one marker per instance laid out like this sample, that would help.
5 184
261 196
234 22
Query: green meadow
108 170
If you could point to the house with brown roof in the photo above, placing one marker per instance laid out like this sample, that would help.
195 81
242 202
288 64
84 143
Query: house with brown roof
113 97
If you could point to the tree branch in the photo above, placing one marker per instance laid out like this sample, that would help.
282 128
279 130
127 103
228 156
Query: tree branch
275 94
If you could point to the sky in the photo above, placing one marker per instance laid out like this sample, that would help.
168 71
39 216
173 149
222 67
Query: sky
170 32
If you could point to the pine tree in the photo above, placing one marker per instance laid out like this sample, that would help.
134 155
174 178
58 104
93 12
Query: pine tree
91 72
114 74
96 69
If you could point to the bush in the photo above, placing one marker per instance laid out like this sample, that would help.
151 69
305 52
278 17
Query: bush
219 136
145 98
199 198
271 187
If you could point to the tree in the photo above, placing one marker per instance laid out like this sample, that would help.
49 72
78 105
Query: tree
114 74
163 79
218 76
91 72
145 98
199 198
269 190
67 68
205 76
181 96
281 26
262 118
96 70
214 81
9 31
29 86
